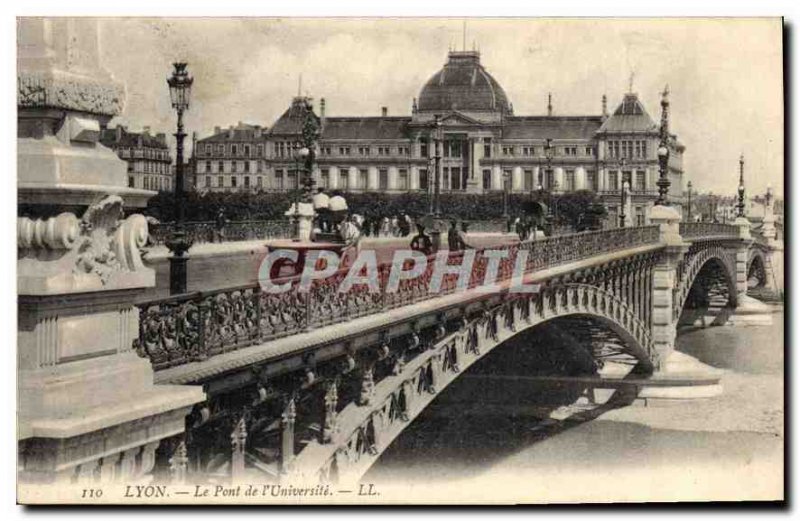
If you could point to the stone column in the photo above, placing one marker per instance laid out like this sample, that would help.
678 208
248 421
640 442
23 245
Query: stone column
352 178
742 254
372 178
516 179
79 267
580 178
392 178
475 180
558 177
413 179
497 178
333 178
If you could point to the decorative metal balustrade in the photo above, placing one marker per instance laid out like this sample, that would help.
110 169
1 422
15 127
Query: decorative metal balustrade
208 231
708 230
199 325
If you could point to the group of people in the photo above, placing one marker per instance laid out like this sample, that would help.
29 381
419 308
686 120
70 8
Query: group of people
396 226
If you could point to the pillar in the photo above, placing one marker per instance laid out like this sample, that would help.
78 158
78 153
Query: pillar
558 177
392 173
580 178
497 178
413 179
516 179
372 178
333 178
352 178
75 249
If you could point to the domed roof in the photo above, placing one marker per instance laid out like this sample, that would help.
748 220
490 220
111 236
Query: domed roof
463 84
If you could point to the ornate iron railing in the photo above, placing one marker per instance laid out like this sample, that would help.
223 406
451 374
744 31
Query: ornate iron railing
208 231
199 325
702 230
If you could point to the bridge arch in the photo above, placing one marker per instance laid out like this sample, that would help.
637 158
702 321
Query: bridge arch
756 269
364 431
701 263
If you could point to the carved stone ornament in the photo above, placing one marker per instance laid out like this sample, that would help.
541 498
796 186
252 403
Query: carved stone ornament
69 92
101 243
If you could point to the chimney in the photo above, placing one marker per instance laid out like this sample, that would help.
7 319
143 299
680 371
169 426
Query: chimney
549 104
384 111
217 130
605 106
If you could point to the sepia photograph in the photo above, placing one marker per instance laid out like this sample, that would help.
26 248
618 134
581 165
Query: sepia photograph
388 260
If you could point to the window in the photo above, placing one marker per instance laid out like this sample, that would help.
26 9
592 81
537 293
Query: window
487 147
259 181
455 178
260 150
233 181
570 151
527 176
208 181
326 151
220 167
455 148
527 151
247 181
323 178
508 151
208 150
247 166
589 151
131 182
487 179
423 178
291 179
363 151
383 179
279 179
644 149
344 151
343 179
362 179
130 166
233 149
591 180
423 149
640 180
403 151
247 150
402 178
613 180
569 180
220 181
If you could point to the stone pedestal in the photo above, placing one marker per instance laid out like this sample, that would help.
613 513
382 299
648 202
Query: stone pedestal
303 215
88 410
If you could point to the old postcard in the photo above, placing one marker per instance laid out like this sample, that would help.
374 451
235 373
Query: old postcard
400 260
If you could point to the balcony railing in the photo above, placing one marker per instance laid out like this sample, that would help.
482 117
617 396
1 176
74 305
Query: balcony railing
199 325
208 231
708 230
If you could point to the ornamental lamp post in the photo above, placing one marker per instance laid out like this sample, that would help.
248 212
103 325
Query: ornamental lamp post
548 154
437 181
740 203
663 150
622 192
180 91
689 202
506 177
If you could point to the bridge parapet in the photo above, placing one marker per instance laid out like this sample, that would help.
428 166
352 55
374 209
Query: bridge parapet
196 326
691 231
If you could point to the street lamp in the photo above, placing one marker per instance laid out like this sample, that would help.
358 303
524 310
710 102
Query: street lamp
663 150
689 202
623 189
435 205
548 154
505 193
180 91
740 204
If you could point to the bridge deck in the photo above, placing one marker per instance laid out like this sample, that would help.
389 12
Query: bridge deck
277 349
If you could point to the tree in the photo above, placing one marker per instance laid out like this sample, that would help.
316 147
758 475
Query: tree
581 210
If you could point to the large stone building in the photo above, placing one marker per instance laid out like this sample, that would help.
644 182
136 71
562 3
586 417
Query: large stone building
484 145
148 156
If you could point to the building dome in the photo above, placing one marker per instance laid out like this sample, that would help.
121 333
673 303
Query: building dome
463 84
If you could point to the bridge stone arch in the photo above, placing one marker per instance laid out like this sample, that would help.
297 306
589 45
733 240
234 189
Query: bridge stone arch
362 431
700 255
757 267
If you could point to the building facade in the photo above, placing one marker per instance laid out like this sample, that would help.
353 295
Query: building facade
148 157
463 125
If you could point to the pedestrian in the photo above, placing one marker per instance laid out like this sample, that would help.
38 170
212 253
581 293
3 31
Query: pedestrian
220 225
422 242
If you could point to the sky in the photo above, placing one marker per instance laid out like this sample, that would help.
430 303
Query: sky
724 75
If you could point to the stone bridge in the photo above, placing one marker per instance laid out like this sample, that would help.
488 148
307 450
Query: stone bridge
315 385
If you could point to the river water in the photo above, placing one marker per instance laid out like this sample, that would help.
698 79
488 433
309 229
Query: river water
725 448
